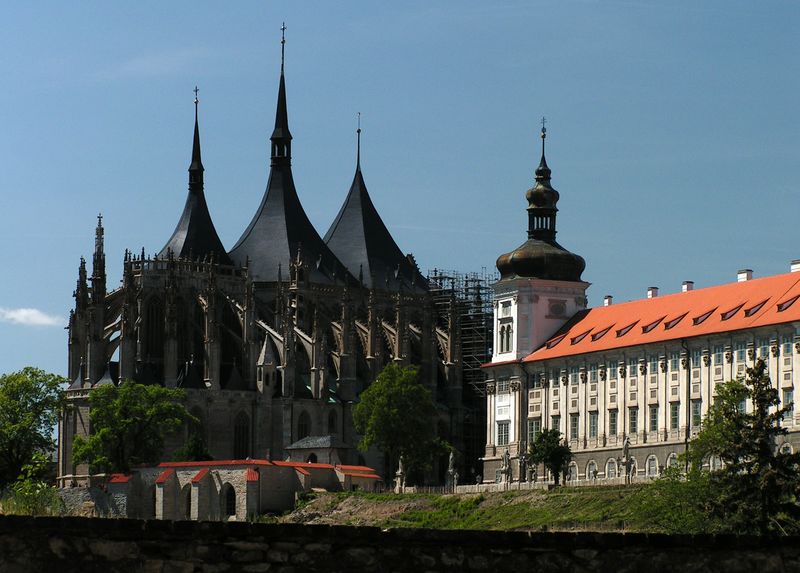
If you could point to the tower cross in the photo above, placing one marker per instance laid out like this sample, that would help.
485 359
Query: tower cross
196 91
283 42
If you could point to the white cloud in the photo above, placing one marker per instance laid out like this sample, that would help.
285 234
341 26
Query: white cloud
29 317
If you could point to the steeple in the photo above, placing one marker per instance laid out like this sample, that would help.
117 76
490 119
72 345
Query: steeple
360 239
281 136
280 225
99 264
195 235
541 256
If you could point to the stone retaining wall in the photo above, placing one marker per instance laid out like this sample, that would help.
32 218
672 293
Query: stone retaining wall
122 545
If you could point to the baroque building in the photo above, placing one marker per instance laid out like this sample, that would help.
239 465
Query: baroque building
274 340
627 385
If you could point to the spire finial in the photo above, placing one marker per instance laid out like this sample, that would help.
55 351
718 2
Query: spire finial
283 43
196 166
544 133
358 144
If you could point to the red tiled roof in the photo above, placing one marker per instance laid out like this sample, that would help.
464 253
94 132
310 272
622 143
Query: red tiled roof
730 307
119 478
303 465
303 471
213 463
165 475
355 468
252 474
200 475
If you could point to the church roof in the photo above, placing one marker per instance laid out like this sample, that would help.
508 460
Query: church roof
714 310
195 236
359 238
312 442
280 227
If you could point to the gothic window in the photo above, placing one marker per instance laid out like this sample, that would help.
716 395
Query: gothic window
303 426
154 330
241 437
230 500
332 422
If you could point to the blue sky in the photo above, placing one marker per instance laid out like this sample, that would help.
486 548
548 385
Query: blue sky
672 133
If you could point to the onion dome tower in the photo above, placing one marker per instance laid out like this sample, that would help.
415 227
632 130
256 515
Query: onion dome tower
195 236
280 231
541 256
359 238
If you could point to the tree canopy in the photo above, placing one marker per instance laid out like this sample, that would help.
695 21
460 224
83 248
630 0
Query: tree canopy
549 449
129 423
30 403
757 486
397 415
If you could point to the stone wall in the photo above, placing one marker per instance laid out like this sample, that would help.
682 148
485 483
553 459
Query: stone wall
111 545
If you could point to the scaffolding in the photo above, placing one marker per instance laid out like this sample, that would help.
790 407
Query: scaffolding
471 293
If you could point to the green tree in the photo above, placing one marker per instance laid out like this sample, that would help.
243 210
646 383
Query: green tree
30 402
757 486
29 495
129 423
549 449
397 415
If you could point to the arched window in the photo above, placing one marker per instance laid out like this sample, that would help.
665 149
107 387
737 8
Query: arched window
312 458
186 501
611 468
591 470
672 459
333 424
508 338
230 500
241 437
303 426
572 472
652 466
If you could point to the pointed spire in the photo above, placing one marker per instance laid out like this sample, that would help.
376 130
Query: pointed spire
358 144
281 136
543 171
196 167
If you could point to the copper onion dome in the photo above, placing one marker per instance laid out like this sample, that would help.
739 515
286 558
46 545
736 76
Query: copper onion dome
541 256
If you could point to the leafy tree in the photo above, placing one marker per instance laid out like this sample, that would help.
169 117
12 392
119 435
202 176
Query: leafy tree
757 487
30 402
549 449
29 495
129 423
396 414
195 449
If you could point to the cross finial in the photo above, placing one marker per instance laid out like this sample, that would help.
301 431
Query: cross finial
196 90
99 219
358 136
544 129
283 43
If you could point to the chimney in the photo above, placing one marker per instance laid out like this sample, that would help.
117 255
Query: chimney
687 286
652 292
795 266
608 300
744 275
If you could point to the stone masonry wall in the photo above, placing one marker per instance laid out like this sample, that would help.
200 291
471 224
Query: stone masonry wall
121 545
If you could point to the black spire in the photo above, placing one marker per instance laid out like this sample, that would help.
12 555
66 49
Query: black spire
195 235
281 136
541 256
280 225
360 239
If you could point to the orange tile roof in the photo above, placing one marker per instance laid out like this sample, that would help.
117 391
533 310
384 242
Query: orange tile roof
360 475
212 463
309 465
165 475
303 471
119 478
252 474
355 468
200 475
730 307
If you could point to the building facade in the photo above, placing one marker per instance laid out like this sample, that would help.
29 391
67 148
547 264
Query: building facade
627 385
273 340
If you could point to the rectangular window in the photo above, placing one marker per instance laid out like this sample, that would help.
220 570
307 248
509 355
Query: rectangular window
612 371
592 424
505 308
534 429
674 361
741 351
633 420
788 402
612 422
555 422
674 416
719 355
573 427
654 418
697 356
502 385
593 373
633 367
786 345
502 433
536 381
653 366
573 375
696 415
763 347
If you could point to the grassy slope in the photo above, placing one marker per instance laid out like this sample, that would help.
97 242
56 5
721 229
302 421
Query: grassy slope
601 508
